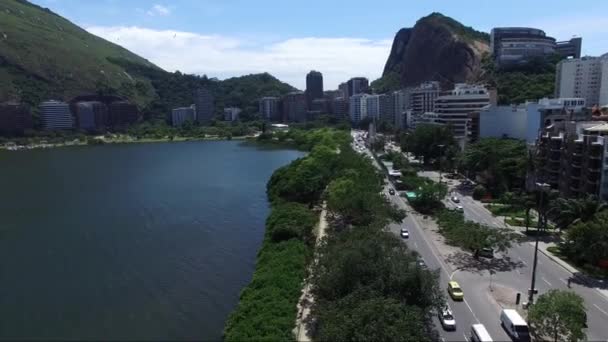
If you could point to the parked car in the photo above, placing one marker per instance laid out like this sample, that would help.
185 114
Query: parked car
455 199
447 318
487 253
391 191
460 209
421 264
405 233
455 291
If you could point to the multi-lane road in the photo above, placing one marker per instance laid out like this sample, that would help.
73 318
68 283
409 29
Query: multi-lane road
511 273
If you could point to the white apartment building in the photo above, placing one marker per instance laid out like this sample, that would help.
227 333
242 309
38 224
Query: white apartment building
422 98
581 77
401 103
358 107
56 115
454 107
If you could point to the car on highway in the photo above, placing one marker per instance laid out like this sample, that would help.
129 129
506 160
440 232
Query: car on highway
446 318
405 233
455 199
420 263
391 191
455 291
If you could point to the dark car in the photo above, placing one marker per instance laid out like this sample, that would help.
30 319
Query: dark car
420 263
487 253
391 191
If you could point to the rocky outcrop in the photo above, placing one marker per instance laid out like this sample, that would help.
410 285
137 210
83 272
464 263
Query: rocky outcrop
437 48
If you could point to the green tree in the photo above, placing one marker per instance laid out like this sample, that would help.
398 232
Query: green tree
559 316
587 242
429 142
567 211
429 197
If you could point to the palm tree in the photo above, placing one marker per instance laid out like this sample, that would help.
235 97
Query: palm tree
569 211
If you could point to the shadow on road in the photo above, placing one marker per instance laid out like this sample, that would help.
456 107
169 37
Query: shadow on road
466 262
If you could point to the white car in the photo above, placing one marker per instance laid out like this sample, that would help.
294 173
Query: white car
405 233
447 319
460 209
455 199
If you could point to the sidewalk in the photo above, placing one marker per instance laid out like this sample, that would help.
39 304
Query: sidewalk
301 331
600 286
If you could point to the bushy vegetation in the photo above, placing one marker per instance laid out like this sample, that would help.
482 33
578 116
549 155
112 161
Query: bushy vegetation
472 236
558 316
587 241
532 81
267 307
387 83
500 163
466 32
432 143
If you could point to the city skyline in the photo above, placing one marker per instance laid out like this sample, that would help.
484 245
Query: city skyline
196 37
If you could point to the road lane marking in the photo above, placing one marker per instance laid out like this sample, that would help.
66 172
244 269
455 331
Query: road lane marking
468 306
602 311
563 281
545 280
416 245
442 339
465 337
522 261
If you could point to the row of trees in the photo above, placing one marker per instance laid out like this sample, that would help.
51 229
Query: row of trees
366 283
268 305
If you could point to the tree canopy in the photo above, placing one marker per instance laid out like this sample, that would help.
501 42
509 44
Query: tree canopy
430 142
558 316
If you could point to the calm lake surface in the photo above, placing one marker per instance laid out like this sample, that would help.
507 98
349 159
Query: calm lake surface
150 241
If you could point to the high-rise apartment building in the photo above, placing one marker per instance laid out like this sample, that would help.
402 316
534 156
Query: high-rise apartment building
204 102
91 115
294 107
572 157
401 105
179 116
581 77
453 108
357 85
122 114
386 108
231 114
56 115
269 108
343 88
373 106
604 81
340 107
15 118
314 86
358 107
422 98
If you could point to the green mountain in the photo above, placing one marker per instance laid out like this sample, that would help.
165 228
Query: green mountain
43 55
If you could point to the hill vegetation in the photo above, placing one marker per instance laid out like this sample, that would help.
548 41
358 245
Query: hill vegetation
44 56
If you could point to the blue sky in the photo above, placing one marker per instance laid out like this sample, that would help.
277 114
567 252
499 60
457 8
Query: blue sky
224 38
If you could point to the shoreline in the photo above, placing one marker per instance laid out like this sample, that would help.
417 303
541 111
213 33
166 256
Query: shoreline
119 140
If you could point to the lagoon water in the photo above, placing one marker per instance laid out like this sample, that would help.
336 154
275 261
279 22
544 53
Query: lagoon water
130 242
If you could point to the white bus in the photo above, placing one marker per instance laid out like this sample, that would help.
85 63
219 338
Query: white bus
480 334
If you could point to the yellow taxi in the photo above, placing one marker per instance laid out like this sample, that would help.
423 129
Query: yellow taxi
455 291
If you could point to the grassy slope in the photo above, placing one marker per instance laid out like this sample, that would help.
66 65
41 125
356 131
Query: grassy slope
43 52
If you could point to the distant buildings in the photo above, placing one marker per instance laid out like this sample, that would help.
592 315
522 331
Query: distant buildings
373 106
358 107
401 108
15 118
357 85
321 106
91 115
231 114
122 114
524 121
269 108
513 46
422 98
314 86
55 115
454 108
180 115
204 103
340 107
343 89
583 77
294 107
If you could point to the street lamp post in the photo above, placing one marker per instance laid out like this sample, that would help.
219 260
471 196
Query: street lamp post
541 223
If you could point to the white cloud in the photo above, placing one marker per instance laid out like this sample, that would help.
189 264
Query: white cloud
159 10
220 56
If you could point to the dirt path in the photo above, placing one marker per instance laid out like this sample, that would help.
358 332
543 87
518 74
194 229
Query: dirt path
301 330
